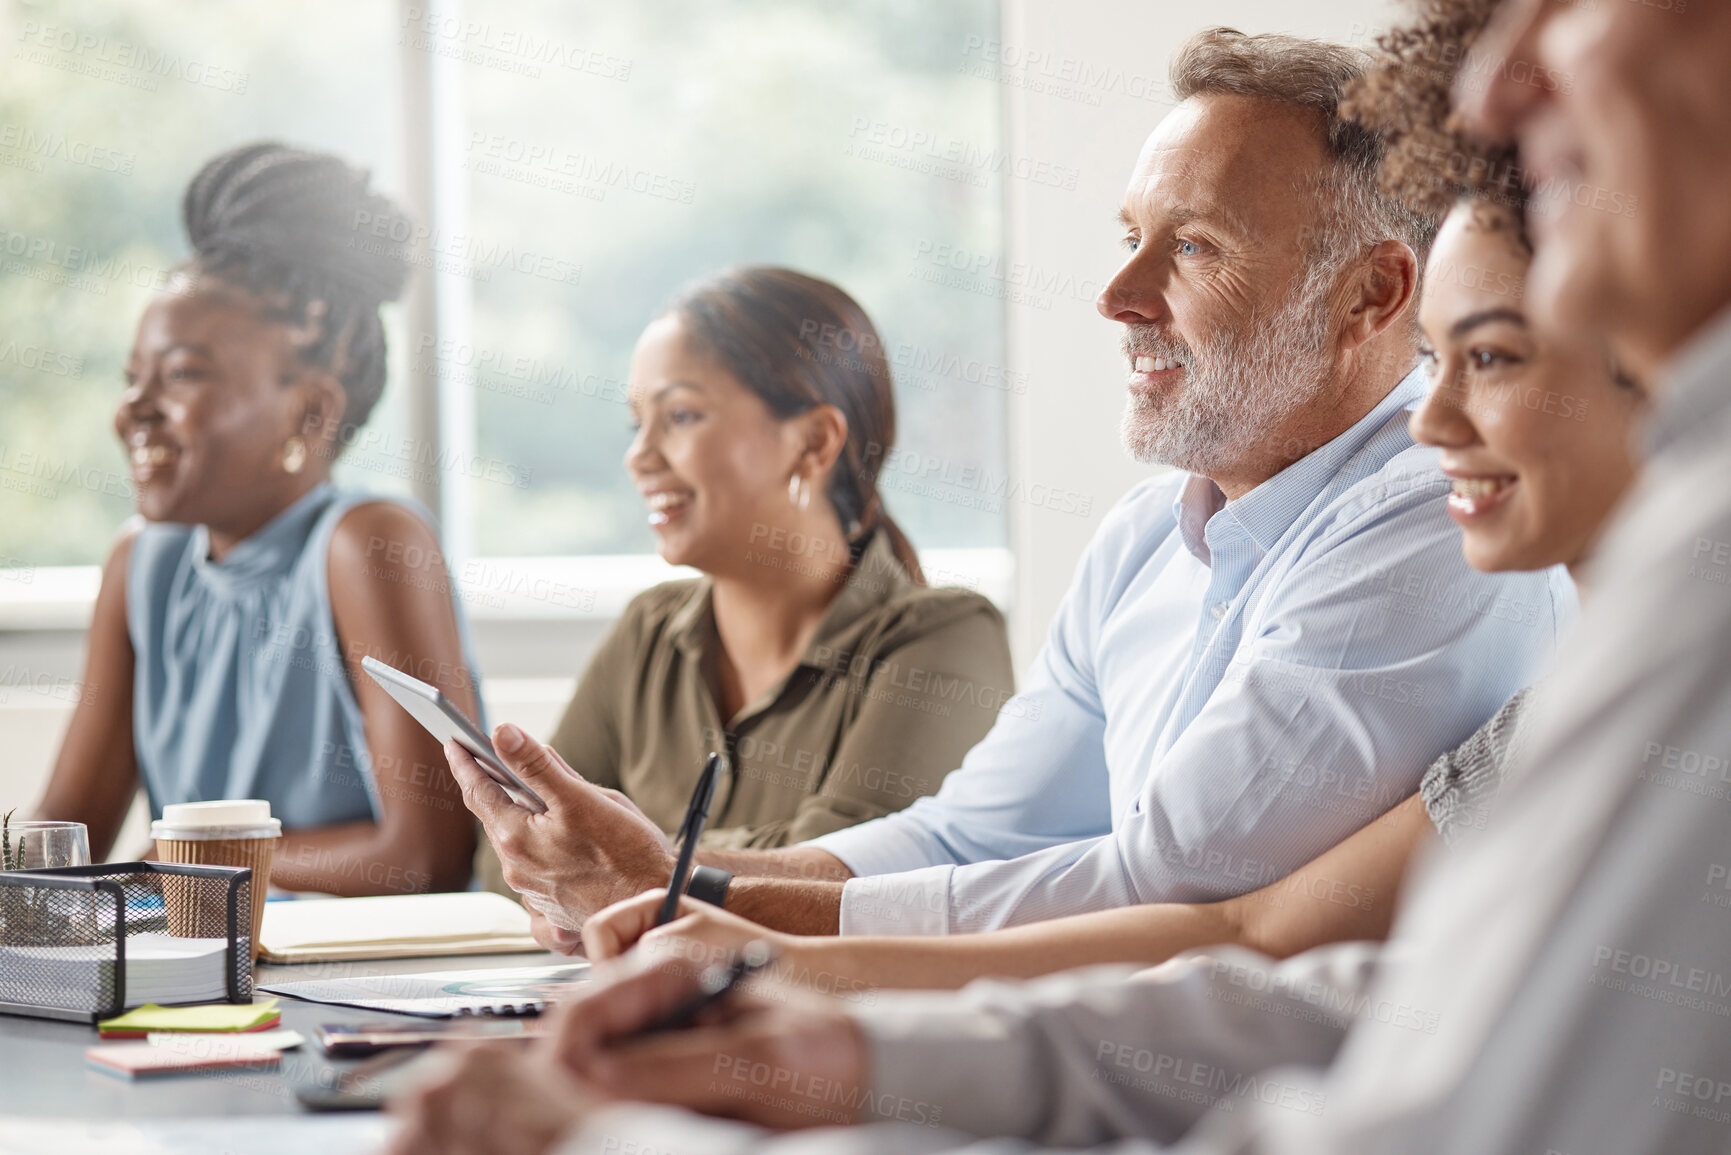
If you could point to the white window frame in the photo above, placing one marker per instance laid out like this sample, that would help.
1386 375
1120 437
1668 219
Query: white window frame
441 413
592 587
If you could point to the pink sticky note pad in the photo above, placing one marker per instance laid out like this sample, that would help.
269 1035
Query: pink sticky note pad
184 1056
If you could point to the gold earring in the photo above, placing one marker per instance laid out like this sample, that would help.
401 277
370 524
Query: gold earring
294 454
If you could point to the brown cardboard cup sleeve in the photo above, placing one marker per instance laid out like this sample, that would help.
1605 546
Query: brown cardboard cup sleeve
230 833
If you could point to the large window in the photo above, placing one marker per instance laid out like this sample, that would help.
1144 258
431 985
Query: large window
586 160
106 109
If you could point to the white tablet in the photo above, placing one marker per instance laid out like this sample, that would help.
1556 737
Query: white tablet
445 722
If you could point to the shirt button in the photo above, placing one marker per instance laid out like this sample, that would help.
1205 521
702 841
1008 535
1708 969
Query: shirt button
1217 610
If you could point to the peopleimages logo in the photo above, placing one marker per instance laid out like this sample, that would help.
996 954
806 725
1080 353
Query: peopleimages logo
485 43
1024 282
69 149
77 266
41 359
1179 1076
857 349
1057 75
122 61
952 481
476 252
881 140
561 170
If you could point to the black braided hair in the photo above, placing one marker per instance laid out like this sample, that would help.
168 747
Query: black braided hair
300 230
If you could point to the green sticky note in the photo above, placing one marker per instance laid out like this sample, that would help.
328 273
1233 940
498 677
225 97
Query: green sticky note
214 1017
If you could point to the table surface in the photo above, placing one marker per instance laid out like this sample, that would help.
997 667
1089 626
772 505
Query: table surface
43 1073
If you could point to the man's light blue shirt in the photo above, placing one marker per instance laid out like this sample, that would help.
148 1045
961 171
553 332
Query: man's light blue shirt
1228 689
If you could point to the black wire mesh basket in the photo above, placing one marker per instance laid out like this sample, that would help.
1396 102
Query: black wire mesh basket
64 933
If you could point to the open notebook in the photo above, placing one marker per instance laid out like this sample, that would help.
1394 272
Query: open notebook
393 926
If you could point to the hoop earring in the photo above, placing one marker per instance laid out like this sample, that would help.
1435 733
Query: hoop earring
294 454
799 493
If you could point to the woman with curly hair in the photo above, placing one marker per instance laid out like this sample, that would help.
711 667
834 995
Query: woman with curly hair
1533 438
225 648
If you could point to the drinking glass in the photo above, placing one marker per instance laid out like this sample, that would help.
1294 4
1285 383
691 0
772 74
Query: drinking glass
34 845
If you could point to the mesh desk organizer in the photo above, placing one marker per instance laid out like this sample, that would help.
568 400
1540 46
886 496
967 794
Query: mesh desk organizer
83 916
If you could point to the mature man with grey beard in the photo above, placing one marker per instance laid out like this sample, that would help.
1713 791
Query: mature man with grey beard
1258 654
1246 387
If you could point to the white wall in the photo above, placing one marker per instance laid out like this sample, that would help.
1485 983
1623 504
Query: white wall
1064 429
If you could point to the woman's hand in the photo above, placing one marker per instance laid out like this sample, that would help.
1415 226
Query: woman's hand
702 934
591 848
611 932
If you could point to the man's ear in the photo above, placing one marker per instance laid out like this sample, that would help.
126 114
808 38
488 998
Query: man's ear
1384 291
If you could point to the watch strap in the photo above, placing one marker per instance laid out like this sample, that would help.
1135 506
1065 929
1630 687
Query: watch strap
709 884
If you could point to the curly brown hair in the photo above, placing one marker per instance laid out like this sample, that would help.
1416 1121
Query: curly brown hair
1428 162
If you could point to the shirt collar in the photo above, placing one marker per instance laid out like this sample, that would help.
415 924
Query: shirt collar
1268 511
873 581
1196 503
692 624
1695 386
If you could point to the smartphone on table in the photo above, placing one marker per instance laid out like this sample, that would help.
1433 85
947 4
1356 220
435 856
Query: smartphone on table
444 721
359 1040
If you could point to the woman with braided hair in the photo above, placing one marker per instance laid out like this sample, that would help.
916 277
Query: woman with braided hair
810 652
225 648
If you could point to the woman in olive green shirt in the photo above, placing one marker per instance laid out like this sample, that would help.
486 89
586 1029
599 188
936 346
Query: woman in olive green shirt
810 651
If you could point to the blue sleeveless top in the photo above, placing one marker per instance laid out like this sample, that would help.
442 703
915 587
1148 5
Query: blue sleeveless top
239 685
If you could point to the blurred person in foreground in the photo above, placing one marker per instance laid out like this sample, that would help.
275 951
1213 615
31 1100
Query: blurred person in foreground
225 646
1554 985
1259 653
810 651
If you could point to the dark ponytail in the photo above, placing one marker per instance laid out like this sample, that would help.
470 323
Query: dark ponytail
305 234
799 342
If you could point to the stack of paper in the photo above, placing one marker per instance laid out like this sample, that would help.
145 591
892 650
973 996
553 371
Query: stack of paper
220 1017
185 1055
393 926
159 969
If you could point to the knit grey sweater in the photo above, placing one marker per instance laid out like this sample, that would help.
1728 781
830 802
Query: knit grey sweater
1460 787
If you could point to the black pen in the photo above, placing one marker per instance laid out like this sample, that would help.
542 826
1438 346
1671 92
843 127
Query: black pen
713 985
696 814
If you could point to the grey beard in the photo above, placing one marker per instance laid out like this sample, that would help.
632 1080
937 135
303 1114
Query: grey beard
1236 393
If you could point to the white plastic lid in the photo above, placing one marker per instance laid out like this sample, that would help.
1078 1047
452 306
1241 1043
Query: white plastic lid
230 812
230 818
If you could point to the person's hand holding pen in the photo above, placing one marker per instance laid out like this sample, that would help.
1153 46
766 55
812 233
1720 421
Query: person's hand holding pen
767 1052
591 848
504 1097
661 1028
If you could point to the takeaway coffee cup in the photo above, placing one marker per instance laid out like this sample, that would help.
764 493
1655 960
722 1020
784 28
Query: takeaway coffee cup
238 832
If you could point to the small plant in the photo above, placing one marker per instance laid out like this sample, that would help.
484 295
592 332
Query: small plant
25 912
9 860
